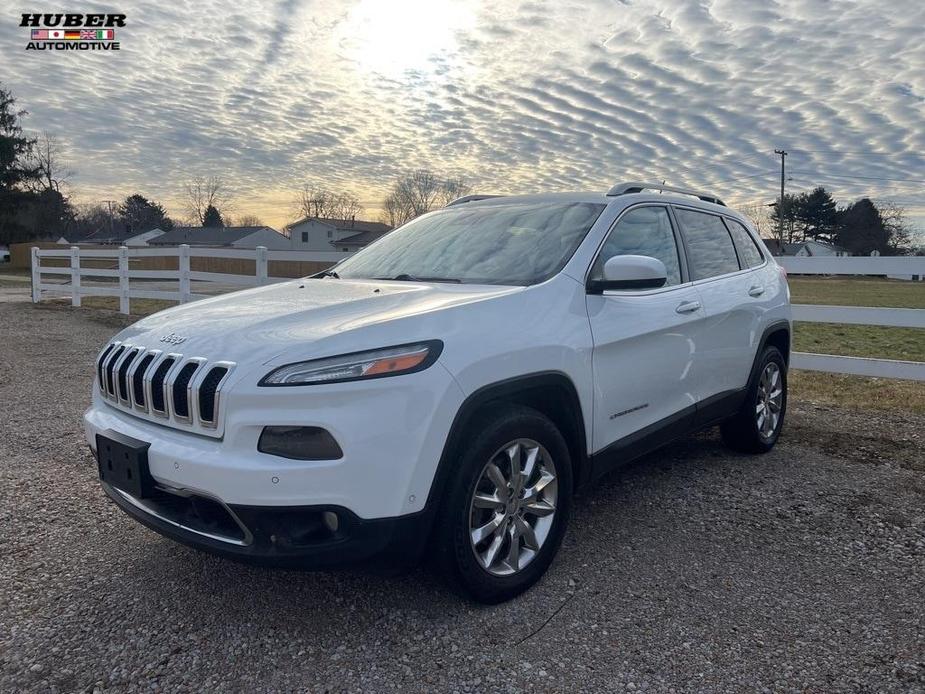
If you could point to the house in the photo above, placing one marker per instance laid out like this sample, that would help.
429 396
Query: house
325 234
234 237
804 249
143 238
818 248
101 236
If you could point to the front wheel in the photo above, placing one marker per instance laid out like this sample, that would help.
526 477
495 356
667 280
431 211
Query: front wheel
757 426
507 506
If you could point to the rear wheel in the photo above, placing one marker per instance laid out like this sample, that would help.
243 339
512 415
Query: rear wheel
757 426
507 506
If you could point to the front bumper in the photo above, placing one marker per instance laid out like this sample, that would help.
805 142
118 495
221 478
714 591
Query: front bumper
391 431
294 537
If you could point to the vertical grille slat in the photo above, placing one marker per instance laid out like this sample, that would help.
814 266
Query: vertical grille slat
181 404
110 366
173 389
138 380
158 403
208 393
122 376
100 363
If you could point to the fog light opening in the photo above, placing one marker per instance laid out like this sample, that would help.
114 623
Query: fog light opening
330 520
299 443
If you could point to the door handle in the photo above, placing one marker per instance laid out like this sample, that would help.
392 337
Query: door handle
688 307
756 290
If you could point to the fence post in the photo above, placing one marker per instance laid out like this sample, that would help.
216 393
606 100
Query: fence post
36 275
123 280
185 292
261 265
75 276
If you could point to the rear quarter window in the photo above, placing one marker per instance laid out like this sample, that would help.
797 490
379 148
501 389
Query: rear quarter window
709 246
748 249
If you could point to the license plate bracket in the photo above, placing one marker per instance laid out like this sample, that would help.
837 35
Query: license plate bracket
123 463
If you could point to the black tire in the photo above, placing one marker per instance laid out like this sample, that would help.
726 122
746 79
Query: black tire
742 432
492 430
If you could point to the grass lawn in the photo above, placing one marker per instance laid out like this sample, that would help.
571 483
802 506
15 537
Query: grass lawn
860 341
6 271
857 392
857 291
138 307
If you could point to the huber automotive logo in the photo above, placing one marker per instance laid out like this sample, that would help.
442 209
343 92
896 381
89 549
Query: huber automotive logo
72 32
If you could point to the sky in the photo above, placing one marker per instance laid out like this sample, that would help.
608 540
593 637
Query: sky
514 96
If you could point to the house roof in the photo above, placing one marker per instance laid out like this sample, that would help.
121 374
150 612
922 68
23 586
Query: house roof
205 236
143 233
362 239
773 245
357 225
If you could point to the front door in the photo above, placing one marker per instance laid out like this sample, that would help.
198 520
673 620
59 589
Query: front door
644 340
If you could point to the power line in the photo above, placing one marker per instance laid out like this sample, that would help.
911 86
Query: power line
866 178
867 153
742 178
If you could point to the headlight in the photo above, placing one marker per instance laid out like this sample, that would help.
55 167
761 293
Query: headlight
376 363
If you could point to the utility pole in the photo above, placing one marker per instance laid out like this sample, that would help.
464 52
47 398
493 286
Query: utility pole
110 202
780 204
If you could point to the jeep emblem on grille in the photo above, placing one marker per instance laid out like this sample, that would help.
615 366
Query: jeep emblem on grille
173 339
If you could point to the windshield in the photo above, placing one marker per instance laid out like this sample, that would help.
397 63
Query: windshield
517 243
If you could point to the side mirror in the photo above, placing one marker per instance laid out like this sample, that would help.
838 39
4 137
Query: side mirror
630 272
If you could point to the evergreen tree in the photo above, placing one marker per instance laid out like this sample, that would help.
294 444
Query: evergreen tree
861 229
15 170
212 217
140 214
816 215
789 214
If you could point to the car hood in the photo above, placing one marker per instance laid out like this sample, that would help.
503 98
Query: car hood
256 325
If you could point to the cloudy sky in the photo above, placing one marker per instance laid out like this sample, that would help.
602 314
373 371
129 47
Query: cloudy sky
513 95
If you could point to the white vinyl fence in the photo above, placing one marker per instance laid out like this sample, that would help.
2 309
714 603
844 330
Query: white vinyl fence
120 275
910 266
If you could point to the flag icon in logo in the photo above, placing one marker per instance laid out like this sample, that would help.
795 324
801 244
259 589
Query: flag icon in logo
81 35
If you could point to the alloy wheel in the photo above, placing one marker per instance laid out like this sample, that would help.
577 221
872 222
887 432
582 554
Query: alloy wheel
513 507
770 400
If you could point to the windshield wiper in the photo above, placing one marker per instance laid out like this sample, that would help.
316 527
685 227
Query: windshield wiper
405 277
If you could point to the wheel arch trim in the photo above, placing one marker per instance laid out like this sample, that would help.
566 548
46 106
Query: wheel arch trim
508 389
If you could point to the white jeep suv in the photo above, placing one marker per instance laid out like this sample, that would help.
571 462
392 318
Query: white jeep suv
447 389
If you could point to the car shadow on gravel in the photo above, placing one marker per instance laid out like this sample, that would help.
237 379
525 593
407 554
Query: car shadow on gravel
292 599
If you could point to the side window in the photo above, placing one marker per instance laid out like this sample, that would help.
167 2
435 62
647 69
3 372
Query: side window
709 247
748 249
642 231
304 237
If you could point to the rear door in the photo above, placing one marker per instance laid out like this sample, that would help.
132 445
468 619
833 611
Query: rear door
644 340
726 346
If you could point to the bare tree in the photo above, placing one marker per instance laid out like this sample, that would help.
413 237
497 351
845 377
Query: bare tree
202 193
897 227
248 220
419 192
46 158
758 213
314 201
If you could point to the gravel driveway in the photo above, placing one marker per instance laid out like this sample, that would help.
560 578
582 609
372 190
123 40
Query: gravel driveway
693 570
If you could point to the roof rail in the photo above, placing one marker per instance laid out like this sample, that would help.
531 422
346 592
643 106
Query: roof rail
471 198
638 187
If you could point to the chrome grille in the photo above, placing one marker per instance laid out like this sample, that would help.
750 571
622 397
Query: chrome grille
166 387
